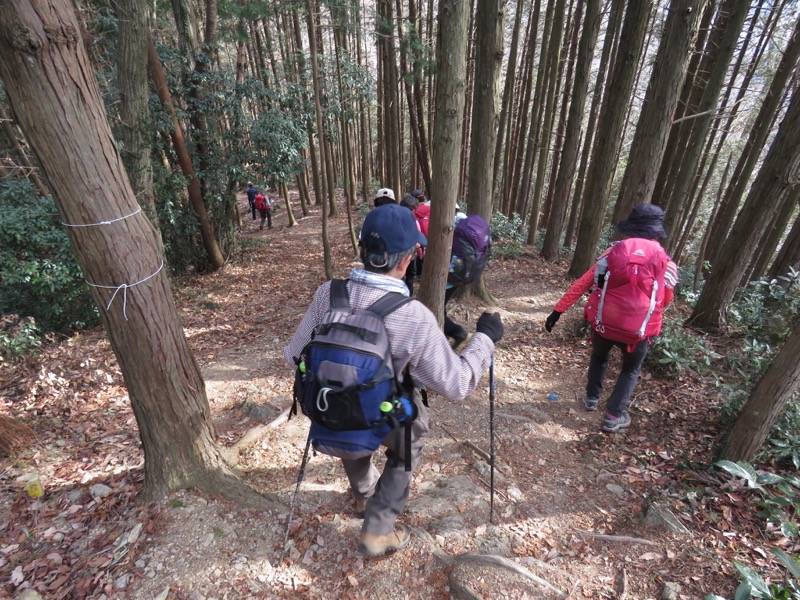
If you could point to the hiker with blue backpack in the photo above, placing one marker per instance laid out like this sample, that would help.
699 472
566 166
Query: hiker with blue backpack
631 282
363 351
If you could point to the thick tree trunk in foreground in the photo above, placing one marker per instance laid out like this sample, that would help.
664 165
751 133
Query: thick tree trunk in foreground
447 134
766 403
50 84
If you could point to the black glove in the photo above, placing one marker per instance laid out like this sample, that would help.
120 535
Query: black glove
551 320
491 325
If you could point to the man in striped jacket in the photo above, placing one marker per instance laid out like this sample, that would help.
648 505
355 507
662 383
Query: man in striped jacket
389 242
644 226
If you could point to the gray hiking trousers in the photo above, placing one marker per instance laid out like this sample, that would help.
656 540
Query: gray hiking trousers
387 492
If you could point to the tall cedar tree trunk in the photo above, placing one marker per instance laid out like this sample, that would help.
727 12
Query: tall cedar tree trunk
762 127
661 99
362 115
466 127
569 154
766 403
775 231
134 111
704 50
789 254
391 102
720 131
565 93
612 119
488 61
340 16
64 120
326 155
735 12
424 153
611 34
776 178
450 85
542 145
184 160
516 151
315 78
507 101
526 149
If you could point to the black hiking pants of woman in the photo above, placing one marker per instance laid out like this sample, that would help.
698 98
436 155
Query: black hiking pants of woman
628 376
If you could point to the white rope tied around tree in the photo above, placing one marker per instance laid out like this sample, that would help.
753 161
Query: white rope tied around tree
136 212
124 287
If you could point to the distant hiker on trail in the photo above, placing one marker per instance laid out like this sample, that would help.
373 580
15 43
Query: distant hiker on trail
384 196
420 196
415 267
420 357
263 205
633 281
251 198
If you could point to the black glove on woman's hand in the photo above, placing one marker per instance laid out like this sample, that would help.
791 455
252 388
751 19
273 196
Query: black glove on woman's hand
551 320
490 325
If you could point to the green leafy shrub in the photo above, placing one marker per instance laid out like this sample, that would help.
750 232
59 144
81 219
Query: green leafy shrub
768 309
779 504
677 349
19 338
508 240
39 276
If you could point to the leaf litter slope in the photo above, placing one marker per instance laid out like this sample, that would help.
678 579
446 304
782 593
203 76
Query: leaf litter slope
556 474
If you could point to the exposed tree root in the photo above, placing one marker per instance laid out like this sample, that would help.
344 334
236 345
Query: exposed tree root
623 539
490 560
252 436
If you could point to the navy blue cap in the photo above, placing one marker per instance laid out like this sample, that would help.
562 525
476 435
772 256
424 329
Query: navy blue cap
392 229
418 194
645 221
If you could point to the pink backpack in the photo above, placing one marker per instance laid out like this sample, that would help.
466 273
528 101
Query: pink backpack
629 299
423 216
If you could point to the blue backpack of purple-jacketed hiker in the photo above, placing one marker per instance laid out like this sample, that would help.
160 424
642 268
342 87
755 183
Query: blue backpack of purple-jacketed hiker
472 244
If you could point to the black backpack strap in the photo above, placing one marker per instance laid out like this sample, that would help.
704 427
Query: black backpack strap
388 303
340 297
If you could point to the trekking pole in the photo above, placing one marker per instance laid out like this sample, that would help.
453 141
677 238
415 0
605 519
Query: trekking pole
491 441
294 498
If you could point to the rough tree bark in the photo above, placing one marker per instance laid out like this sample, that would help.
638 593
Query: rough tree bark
488 61
661 99
609 138
766 403
134 111
50 83
775 180
447 135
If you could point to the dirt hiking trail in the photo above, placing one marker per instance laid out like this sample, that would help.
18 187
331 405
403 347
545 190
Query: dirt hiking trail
570 501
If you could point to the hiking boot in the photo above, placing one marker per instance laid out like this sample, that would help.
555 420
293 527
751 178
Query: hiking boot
612 423
590 403
373 545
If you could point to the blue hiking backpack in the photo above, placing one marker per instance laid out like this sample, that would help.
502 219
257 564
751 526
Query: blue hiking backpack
472 245
345 381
